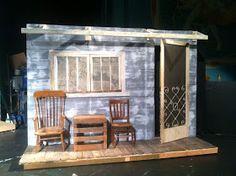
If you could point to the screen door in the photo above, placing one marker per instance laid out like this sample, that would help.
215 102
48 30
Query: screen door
174 90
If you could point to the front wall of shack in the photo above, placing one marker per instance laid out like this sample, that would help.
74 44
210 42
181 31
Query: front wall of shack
139 78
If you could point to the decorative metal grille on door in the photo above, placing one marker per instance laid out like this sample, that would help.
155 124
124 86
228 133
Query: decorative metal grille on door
174 86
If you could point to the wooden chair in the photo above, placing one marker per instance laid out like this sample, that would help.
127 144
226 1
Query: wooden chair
120 123
49 117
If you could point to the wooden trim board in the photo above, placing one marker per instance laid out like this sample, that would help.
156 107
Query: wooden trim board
6 126
194 35
52 156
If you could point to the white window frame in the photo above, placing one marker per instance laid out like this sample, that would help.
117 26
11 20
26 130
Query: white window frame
89 55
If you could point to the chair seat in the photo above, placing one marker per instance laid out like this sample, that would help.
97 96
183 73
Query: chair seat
122 125
49 131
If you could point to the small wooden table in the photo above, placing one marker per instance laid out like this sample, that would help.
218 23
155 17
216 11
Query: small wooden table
90 132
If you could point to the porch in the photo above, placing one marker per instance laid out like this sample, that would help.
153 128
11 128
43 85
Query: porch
52 156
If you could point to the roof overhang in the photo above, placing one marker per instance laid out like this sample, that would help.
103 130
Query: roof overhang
115 32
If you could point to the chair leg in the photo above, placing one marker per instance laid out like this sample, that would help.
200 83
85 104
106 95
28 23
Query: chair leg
67 136
127 134
117 137
133 140
113 141
62 142
38 144
134 136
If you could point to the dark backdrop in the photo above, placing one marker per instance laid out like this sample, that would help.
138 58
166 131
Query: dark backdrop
216 18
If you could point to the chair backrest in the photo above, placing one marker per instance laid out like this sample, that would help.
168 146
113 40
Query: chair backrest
119 110
50 106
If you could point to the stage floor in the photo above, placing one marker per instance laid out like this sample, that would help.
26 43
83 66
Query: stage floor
52 156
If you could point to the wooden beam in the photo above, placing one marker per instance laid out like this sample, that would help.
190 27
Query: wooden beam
89 32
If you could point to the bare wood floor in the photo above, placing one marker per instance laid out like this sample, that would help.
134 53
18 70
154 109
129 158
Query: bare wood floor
52 156
6 126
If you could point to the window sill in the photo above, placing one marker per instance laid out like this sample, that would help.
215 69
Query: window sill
109 94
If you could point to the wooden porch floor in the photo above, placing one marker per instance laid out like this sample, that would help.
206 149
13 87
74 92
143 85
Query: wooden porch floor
52 156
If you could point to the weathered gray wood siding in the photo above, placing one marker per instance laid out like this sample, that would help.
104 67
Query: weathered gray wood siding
193 89
139 78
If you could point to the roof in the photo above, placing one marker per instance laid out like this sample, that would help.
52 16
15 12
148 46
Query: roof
113 32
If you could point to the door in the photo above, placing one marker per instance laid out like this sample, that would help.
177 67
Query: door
174 90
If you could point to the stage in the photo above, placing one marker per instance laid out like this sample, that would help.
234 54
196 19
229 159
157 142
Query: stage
52 156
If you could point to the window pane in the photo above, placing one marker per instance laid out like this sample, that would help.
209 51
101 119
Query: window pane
105 74
87 73
61 73
72 74
82 74
114 73
96 74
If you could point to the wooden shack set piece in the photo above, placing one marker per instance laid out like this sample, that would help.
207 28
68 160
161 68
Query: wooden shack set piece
96 64
49 117
90 132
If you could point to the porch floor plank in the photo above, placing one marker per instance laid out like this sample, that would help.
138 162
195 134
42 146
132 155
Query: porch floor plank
52 156
6 126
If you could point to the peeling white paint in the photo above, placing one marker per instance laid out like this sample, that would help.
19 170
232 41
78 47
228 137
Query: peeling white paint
139 76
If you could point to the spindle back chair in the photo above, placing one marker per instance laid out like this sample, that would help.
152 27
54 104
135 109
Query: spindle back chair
49 118
120 121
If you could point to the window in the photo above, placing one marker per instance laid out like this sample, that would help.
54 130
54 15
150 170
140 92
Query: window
76 72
